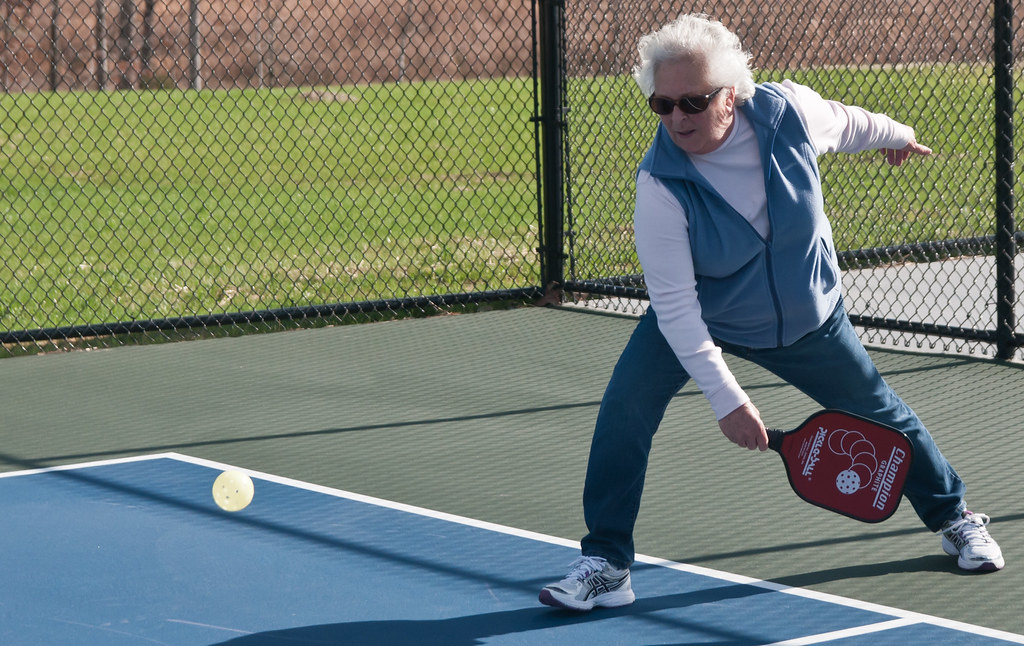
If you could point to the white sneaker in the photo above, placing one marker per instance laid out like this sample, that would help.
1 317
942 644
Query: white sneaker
591 582
968 540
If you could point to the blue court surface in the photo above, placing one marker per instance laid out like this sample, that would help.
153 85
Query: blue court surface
135 552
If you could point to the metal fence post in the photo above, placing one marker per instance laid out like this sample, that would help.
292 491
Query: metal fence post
194 43
550 25
1006 249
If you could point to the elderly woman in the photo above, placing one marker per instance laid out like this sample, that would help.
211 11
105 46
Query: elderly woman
738 257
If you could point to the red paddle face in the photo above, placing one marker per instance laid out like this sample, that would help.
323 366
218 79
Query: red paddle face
847 464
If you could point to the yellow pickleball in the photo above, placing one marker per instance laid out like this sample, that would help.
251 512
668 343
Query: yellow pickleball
233 490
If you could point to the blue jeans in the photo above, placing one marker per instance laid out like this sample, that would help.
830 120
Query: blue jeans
830 365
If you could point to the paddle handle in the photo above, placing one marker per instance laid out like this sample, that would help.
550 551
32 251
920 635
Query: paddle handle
775 439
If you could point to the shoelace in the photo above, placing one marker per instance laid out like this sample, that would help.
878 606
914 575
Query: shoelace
969 528
584 566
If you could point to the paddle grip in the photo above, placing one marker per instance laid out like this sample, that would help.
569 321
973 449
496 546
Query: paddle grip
775 439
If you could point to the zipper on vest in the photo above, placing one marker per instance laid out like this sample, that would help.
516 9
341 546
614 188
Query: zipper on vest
776 304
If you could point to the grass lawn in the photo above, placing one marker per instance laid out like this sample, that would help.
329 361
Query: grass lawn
152 204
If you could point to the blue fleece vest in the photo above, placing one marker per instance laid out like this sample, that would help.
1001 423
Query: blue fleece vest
757 292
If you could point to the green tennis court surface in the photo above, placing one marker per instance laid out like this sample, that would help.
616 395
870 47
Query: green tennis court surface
488 416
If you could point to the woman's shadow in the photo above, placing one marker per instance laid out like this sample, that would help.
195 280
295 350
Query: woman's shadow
470 630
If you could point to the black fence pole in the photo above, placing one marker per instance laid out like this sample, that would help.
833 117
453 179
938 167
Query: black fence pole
1006 248
550 25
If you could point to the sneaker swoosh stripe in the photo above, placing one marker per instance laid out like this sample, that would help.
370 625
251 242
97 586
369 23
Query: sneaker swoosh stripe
604 586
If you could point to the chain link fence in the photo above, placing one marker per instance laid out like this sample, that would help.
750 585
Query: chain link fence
221 165
206 165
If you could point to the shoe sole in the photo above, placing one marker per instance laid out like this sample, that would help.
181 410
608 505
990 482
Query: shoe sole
971 566
609 600
984 566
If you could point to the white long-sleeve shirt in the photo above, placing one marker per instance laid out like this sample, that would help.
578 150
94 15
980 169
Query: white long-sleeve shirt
734 170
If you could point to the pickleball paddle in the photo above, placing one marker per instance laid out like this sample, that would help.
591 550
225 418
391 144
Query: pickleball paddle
845 463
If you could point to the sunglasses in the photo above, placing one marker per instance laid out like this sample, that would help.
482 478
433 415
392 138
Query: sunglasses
688 104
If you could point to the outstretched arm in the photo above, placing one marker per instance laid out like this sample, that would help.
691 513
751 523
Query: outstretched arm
837 127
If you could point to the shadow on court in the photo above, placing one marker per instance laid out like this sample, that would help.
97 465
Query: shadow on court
929 563
471 630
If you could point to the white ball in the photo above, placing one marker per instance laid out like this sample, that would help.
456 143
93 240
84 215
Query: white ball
233 490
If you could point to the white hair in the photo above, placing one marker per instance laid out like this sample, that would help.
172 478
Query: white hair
699 37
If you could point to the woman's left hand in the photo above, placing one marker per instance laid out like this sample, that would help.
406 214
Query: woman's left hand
896 156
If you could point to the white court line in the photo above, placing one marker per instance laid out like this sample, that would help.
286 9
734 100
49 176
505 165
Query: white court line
211 626
903 617
97 463
857 631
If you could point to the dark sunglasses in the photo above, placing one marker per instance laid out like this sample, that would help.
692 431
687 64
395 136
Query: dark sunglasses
688 104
